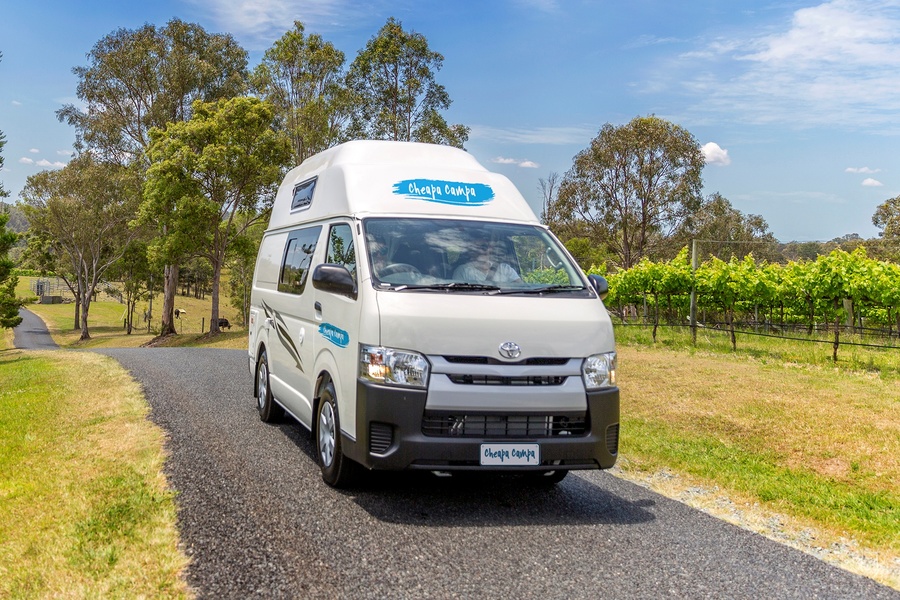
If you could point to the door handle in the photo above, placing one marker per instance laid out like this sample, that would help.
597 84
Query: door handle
318 306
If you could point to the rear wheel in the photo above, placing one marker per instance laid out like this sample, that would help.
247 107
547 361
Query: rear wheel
337 469
269 410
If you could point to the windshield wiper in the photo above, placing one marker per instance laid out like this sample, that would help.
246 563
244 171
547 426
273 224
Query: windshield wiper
547 289
452 287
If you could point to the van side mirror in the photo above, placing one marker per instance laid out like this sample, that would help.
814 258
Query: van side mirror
335 279
601 286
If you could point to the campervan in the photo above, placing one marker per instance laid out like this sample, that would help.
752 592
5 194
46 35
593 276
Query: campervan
412 312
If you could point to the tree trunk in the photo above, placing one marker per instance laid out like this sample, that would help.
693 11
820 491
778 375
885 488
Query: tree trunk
214 315
837 331
729 316
85 307
170 289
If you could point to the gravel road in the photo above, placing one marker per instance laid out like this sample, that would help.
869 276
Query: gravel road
257 520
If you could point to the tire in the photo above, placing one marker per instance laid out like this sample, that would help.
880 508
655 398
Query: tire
546 478
269 410
337 470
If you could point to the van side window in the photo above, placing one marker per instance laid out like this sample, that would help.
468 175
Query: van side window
298 254
340 248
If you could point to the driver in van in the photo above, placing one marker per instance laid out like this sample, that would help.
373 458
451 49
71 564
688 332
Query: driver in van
487 265
377 253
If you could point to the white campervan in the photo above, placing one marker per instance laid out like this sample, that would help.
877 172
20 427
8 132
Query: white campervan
412 312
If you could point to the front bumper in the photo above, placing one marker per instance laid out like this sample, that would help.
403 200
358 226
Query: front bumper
390 435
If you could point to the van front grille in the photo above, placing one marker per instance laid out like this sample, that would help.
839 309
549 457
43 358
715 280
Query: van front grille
487 360
502 426
507 380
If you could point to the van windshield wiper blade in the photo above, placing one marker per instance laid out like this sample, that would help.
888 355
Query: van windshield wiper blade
547 289
455 286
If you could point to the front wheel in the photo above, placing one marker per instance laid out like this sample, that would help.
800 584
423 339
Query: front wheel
337 469
269 410
547 478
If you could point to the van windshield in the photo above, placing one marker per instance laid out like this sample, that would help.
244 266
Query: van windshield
468 257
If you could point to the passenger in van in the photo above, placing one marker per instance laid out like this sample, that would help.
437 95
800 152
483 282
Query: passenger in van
487 265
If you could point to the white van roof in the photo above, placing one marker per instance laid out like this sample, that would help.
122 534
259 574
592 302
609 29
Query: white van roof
369 177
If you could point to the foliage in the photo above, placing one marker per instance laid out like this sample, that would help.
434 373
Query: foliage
9 306
301 76
135 276
80 214
395 95
835 292
241 262
145 78
887 218
734 233
632 189
142 78
213 176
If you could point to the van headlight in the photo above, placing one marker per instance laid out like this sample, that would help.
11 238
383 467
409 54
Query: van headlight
599 371
393 367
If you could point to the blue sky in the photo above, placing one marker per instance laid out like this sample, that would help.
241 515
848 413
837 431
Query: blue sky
797 103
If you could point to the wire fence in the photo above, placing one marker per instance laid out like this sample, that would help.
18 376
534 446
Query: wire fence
822 333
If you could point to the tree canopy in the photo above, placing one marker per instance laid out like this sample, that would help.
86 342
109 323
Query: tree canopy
209 174
302 77
81 213
146 77
9 305
395 94
632 188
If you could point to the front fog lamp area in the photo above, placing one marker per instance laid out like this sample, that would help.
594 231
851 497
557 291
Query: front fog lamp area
599 371
393 367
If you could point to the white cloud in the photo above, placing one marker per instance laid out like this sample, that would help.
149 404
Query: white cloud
525 164
64 153
26 161
715 154
34 151
46 163
835 64
258 23
16 103
537 135
869 182
864 170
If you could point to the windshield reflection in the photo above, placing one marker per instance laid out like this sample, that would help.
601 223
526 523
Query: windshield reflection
468 256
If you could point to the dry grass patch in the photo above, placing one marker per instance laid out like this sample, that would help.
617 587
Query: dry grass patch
85 509
817 445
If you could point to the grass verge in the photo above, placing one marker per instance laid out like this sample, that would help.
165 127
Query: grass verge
821 446
84 508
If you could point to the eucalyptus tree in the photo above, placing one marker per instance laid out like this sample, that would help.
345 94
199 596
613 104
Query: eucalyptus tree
212 176
302 77
138 79
394 92
82 213
632 188
725 231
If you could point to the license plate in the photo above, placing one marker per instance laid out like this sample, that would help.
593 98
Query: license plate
510 455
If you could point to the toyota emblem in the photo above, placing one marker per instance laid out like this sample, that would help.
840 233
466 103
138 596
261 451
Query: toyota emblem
510 350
